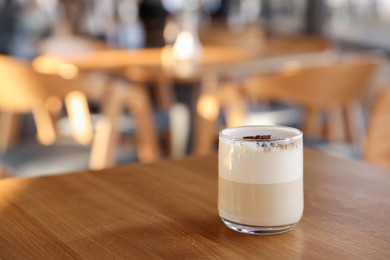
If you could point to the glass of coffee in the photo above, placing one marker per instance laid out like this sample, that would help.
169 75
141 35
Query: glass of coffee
260 186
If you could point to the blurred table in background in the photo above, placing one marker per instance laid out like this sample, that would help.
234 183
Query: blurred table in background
213 57
151 65
215 62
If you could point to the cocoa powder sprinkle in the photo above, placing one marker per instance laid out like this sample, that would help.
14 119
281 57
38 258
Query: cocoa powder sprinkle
258 137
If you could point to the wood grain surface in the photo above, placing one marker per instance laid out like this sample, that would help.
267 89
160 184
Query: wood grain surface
168 210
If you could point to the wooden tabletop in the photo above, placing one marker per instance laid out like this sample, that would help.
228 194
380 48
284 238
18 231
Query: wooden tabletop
145 57
221 60
169 210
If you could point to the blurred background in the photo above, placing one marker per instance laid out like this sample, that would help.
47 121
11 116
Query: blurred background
96 83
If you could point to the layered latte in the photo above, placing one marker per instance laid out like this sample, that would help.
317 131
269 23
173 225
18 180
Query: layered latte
261 179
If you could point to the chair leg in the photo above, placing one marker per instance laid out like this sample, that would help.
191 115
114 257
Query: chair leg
46 132
207 112
79 117
3 173
312 127
336 131
103 152
355 123
180 126
206 132
165 93
233 103
9 129
139 104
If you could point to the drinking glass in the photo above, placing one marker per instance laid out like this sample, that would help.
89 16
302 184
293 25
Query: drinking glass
260 185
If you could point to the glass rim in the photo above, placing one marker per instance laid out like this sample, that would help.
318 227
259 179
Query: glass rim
298 135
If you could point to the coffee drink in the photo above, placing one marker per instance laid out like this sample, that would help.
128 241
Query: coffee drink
260 178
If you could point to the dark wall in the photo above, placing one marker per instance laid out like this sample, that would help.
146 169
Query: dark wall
8 22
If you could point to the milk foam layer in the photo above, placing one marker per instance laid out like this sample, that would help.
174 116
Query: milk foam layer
274 131
260 162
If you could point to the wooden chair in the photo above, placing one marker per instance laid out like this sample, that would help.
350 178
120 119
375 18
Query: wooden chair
22 90
377 143
103 151
167 106
135 98
334 90
64 44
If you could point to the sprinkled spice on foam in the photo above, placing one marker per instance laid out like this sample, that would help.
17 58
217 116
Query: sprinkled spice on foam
258 137
267 146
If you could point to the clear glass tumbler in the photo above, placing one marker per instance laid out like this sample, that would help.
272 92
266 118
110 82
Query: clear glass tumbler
260 186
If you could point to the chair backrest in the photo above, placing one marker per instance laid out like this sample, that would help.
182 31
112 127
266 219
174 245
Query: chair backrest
335 89
22 90
377 143
321 87
19 87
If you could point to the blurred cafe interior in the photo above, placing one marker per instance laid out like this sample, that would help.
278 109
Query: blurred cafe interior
88 84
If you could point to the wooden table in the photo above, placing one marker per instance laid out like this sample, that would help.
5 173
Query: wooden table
145 66
149 60
213 59
216 65
168 209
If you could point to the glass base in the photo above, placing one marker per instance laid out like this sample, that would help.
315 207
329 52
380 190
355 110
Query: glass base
255 230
